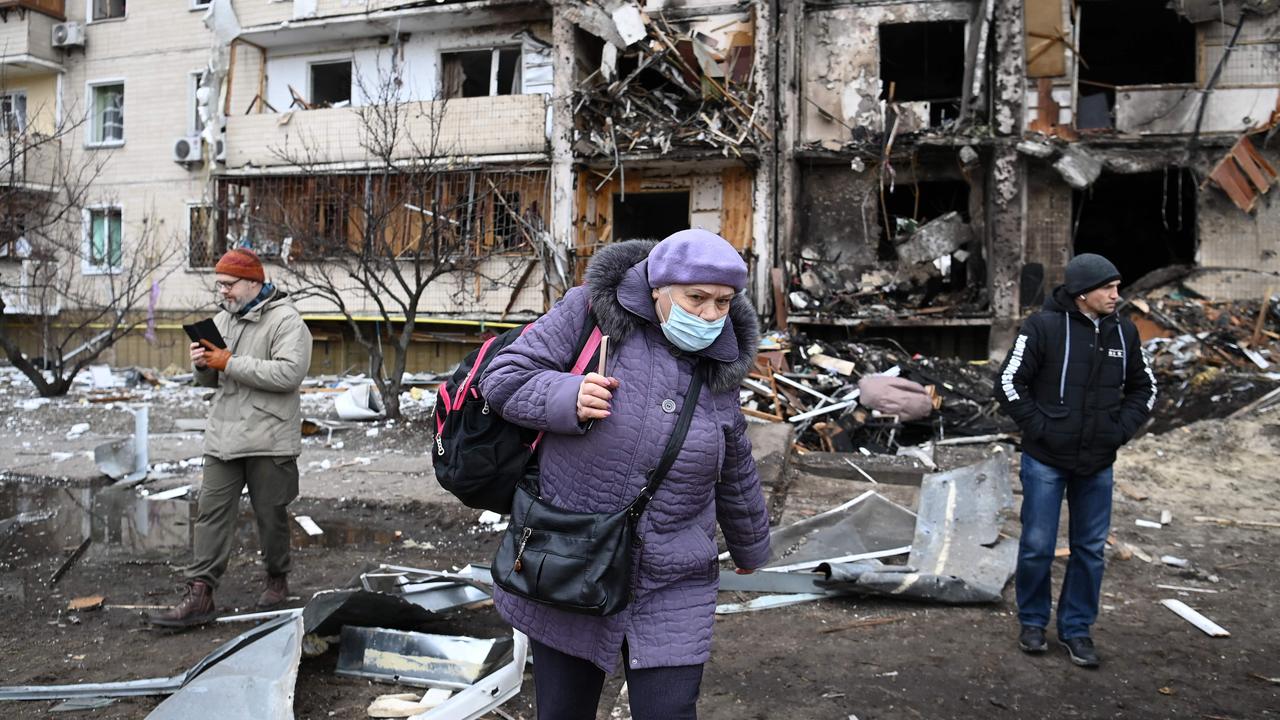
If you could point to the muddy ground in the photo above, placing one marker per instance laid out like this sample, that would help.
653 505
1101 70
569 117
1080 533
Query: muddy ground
798 662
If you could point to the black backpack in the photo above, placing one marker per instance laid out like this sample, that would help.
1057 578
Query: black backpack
478 456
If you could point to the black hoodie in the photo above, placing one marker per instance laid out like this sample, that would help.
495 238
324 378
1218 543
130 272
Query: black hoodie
1077 390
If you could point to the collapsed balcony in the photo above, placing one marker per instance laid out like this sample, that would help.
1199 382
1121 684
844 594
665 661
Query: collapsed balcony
674 85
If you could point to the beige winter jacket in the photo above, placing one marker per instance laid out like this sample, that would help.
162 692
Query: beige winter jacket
256 410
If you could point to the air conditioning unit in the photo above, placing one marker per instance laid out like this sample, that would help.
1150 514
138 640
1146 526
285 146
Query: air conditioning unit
68 34
188 149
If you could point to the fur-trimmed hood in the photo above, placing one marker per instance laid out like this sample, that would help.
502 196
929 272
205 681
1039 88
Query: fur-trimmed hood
621 301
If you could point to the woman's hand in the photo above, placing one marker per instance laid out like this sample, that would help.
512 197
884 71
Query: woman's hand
594 395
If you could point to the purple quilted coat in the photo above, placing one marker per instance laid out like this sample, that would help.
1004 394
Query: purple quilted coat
603 469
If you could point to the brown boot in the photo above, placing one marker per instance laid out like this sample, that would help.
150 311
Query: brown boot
276 594
196 608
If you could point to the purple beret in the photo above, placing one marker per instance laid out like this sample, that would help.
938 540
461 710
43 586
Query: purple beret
690 257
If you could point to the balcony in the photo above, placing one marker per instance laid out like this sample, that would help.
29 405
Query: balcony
274 24
1175 109
468 127
26 37
29 161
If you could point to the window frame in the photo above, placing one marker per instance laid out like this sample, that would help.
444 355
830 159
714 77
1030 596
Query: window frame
91 126
10 94
193 104
311 78
495 63
90 19
200 5
189 206
87 267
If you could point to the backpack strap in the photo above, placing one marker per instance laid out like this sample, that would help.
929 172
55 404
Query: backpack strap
461 394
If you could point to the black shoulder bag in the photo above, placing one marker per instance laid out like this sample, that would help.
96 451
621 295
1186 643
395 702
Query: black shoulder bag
581 561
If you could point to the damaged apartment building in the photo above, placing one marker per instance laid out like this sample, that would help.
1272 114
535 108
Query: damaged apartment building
951 157
921 170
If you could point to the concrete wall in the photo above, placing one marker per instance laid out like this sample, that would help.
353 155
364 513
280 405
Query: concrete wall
372 63
24 32
840 70
1247 244
152 51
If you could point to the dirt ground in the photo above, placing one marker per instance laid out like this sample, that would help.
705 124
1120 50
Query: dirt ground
804 661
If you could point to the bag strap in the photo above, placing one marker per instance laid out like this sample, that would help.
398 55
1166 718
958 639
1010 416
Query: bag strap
674 443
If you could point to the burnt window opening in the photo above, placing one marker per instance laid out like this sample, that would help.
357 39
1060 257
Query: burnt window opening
924 62
331 83
650 215
1141 222
1132 42
908 206
481 73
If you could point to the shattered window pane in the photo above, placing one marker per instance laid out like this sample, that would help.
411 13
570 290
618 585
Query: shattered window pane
481 73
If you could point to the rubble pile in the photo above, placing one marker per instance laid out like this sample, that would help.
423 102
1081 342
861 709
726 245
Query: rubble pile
666 89
926 280
1211 359
871 397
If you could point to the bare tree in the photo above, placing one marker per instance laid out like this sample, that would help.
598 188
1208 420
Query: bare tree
74 279
407 234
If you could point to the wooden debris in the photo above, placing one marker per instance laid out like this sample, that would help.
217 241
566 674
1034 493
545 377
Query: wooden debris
85 604
71 560
1232 522
1130 491
866 622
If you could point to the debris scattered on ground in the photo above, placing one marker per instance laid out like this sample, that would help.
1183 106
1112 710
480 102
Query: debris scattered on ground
872 398
1185 612
253 675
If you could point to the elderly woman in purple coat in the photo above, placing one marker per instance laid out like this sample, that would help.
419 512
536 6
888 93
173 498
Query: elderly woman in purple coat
664 306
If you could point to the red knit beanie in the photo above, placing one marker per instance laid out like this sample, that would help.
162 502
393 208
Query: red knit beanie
241 263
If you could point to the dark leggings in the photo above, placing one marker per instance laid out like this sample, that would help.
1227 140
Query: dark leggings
568 688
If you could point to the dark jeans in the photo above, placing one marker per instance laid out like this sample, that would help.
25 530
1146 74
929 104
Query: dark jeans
273 484
568 688
1089 506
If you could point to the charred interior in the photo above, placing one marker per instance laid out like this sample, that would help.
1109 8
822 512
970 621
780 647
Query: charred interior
473 212
1140 221
923 62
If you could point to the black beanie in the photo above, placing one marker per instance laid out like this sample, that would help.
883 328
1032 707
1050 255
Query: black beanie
1089 272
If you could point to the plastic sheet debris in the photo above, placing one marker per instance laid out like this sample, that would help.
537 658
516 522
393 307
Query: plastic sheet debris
958 554
419 659
359 402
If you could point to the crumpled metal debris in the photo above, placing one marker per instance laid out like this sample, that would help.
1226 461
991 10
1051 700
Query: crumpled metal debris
958 554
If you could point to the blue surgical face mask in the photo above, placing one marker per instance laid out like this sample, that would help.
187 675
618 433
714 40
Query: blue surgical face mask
687 331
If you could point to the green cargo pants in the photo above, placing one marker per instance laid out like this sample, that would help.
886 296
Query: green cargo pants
273 484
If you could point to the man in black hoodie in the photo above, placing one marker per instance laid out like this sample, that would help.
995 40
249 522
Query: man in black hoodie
1079 387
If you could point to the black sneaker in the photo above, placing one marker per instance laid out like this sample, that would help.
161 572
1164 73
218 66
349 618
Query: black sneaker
1081 651
1031 639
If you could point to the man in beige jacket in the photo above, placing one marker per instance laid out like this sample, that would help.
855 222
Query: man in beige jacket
254 433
